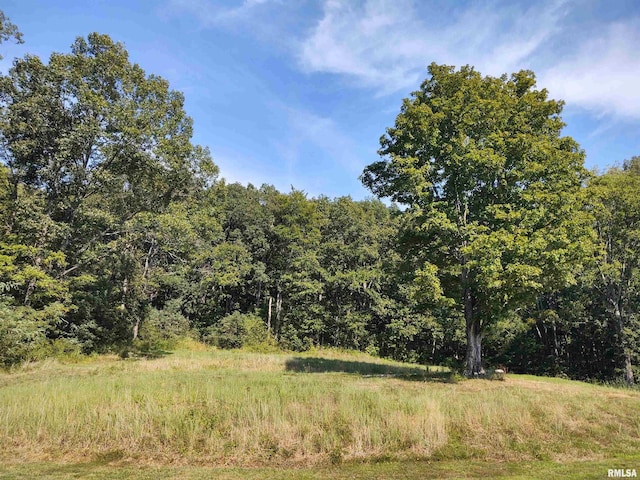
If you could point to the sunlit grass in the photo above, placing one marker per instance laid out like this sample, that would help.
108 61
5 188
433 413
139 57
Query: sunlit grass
244 409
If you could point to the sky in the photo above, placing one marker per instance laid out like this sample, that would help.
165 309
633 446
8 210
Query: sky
298 92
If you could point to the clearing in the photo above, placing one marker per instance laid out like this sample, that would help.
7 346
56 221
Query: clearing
204 413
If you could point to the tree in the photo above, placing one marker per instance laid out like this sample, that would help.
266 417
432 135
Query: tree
98 127
249 223
100 141
353 251
293 268
615 198
493 191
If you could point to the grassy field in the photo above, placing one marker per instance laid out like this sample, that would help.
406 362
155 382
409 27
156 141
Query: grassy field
324 414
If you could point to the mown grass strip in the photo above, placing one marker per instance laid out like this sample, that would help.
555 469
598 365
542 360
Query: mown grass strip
355 471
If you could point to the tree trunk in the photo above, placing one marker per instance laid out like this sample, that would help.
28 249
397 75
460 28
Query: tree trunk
258 294
278 309
227 304
620 321
27 296
474 349
136 327
269 314
628 371
473 361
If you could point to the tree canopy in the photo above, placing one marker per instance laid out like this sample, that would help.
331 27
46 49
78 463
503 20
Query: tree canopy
616 205
493 189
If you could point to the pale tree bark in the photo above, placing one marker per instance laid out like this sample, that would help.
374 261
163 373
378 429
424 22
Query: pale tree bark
136 327
628 370
278 309
123 308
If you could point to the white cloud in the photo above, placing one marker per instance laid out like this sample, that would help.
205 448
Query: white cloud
602 76
386 45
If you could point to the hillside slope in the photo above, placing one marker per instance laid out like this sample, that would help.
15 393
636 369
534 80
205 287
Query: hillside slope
241 409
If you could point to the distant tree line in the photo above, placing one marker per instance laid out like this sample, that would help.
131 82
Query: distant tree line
116 232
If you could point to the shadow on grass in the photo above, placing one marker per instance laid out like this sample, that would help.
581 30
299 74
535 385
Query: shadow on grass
366 369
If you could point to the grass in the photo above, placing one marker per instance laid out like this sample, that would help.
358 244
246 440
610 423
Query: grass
353 471
234 414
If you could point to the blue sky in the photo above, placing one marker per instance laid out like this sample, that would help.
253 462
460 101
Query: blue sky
298 92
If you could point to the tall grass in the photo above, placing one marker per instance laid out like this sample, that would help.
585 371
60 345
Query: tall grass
240 408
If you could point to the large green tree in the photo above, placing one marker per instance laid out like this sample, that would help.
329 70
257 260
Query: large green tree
91 125
492 188
101 142
615 197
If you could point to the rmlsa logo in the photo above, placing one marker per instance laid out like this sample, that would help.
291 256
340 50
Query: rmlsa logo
622 473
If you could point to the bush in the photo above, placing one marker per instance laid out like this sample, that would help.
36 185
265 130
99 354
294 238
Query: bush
65 349
291 339
239 330
162 329
22 336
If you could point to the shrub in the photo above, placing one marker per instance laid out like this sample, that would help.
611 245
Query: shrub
66 349
162 329
239 330
294 341
22 335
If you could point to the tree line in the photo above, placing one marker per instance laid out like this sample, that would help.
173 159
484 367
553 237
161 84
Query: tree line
117 233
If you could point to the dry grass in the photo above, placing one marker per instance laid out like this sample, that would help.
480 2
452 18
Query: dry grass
246 409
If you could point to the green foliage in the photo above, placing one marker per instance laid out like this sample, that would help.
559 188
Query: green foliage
239 330
87 182
615 200
162 329
99 128
21 337
493 192
24 332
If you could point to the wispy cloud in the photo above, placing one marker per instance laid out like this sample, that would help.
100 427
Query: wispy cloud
386 45
602 75
582 56
325 135
311 151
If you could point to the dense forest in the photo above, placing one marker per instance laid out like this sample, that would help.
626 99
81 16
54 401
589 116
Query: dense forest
117 234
